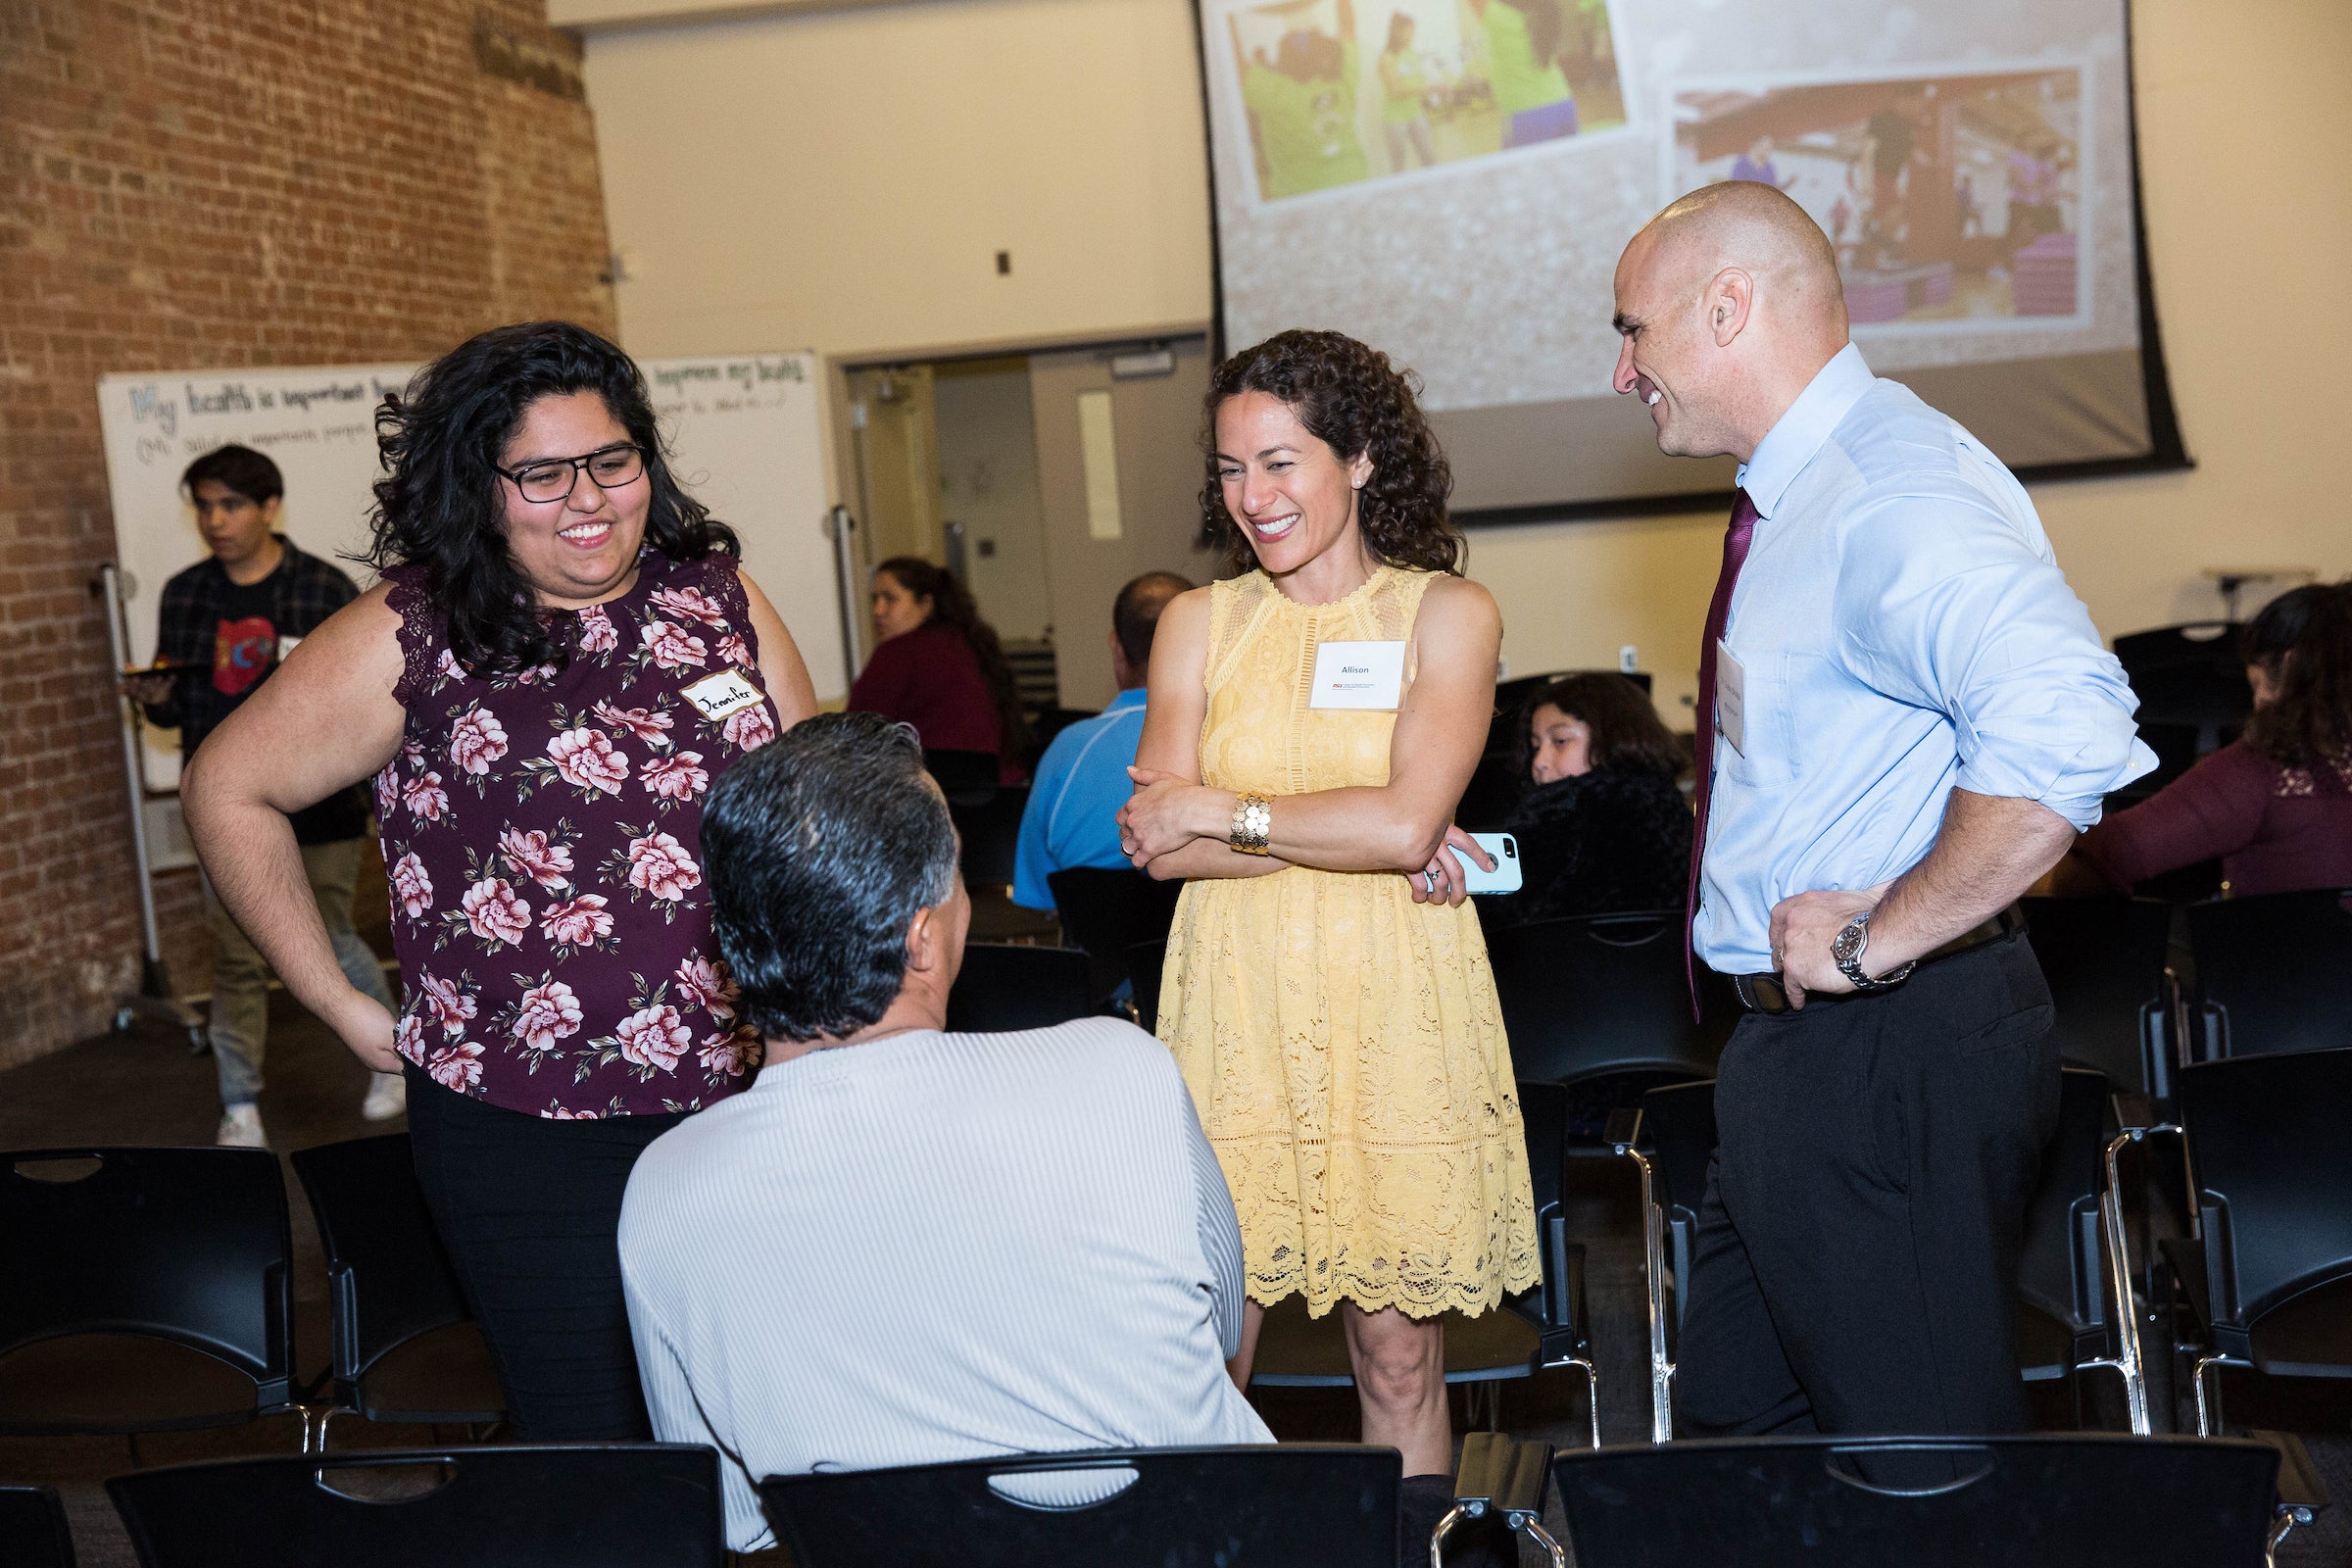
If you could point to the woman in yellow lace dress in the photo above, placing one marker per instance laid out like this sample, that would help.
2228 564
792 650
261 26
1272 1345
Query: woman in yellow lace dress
1311 725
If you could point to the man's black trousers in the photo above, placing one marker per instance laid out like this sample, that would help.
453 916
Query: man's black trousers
1855 1267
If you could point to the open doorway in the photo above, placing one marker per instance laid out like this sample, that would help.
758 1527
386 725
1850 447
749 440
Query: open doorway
1044 480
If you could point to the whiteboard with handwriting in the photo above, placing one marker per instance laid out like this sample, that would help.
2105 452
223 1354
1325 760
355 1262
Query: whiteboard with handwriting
746 435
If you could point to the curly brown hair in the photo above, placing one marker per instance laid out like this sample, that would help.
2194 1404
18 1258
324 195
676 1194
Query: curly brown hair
2304 639
1353 399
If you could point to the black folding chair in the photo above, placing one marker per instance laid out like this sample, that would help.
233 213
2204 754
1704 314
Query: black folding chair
1003 987
2104 959
1331 1506
990 830
404 1349
1601 1003
2065 1309
1671 1141
2267 1282
2272 973
32 1528
600 1505
1503 1482
1105 911
147 1290
2087 1501
965 778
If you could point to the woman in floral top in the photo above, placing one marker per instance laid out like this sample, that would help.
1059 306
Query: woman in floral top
562 660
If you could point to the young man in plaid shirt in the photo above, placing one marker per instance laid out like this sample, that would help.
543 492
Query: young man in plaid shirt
225 625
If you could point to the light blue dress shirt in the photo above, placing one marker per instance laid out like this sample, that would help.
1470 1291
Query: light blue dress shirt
1901 629
1081 783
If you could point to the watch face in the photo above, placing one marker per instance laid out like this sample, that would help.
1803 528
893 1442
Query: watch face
1849 945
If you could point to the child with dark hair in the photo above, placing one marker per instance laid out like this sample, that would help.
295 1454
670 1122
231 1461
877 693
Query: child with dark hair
225 625
1603 826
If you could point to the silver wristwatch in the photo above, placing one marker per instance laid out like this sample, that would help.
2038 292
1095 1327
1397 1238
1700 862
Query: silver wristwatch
1848 949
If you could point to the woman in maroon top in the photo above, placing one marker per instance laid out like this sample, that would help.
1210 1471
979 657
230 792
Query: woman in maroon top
2276 805
939 666
562 660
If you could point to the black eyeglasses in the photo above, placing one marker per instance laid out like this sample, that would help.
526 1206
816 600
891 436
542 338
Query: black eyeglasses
556 478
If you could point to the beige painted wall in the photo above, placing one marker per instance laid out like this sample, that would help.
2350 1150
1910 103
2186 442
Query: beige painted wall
844 182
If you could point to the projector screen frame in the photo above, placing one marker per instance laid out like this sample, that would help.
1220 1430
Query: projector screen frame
2167 449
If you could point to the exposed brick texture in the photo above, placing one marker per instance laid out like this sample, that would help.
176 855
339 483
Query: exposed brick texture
200 184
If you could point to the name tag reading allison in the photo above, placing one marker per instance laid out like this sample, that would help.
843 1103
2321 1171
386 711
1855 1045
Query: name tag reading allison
1358 675
715 696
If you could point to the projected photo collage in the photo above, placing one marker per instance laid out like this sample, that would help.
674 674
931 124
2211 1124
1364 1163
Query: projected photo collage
1958 199
1335 93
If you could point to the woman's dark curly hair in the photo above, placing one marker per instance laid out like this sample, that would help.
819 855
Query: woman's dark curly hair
2304 639
1353 399
952 605
439 504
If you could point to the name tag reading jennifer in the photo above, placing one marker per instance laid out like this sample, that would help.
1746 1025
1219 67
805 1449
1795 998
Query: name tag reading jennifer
1358 675
715 696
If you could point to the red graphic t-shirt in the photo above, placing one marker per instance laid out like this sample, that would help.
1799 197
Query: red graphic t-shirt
244 641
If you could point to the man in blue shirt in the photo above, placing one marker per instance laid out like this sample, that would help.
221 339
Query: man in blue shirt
1905 718
1082 781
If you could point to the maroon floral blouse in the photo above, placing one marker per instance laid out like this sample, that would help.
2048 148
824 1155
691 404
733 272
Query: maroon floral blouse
542 834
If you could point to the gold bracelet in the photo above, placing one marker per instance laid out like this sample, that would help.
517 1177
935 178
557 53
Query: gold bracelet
1252 821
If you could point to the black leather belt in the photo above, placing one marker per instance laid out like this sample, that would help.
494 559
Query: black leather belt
1764 993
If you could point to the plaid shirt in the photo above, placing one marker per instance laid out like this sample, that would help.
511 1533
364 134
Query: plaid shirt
304 591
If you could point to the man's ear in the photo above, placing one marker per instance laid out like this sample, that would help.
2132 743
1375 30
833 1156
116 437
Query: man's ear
1730 296
922 952
271 508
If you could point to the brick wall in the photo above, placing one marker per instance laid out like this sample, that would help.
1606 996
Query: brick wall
199 183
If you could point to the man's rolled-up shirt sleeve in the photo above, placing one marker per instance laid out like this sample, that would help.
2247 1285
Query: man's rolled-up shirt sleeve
1945 605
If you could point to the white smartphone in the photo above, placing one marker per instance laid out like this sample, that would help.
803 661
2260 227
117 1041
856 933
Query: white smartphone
1504 878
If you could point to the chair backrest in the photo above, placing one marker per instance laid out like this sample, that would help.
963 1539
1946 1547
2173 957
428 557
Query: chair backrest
2274 972
2059 1268
1678 1122
1107 910
2104 961
2088 1501
1003 986
32 1528
991 829
2268 1142
603 1505
186 1245
1330 1504
1601 994
963 777
387 1276
2210 645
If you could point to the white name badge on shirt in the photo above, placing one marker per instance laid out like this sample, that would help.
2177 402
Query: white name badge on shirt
1358 675
714 697
1731 697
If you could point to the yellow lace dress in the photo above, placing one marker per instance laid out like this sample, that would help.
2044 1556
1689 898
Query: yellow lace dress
1343 1043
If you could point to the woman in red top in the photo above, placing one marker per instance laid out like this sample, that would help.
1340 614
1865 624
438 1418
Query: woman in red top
562 661
939 667
2275 805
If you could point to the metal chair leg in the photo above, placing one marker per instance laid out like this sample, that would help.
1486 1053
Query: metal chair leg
2208 1416
1478 1509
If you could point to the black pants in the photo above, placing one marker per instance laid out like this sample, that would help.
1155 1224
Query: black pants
528 1210
1855 1267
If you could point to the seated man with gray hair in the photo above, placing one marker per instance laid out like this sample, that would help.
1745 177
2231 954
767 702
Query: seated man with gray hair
903 1246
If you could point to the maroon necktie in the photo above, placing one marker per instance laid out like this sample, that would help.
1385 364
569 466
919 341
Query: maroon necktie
1735 556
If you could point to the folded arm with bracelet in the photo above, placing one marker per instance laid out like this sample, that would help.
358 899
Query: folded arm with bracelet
1177 827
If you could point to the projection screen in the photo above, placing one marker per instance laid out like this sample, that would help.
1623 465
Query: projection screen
1451 181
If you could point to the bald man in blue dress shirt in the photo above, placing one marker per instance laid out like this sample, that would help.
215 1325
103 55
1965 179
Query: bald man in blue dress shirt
1906 717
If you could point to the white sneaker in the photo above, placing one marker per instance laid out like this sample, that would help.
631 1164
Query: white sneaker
241 1128
387 1098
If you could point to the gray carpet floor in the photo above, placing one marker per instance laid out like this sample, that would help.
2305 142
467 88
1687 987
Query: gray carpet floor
144 1088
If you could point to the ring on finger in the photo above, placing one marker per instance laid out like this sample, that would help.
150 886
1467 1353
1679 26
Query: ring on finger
1429 879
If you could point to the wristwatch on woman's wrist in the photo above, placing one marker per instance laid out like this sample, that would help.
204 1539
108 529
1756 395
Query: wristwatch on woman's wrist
1253 821
1848 949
